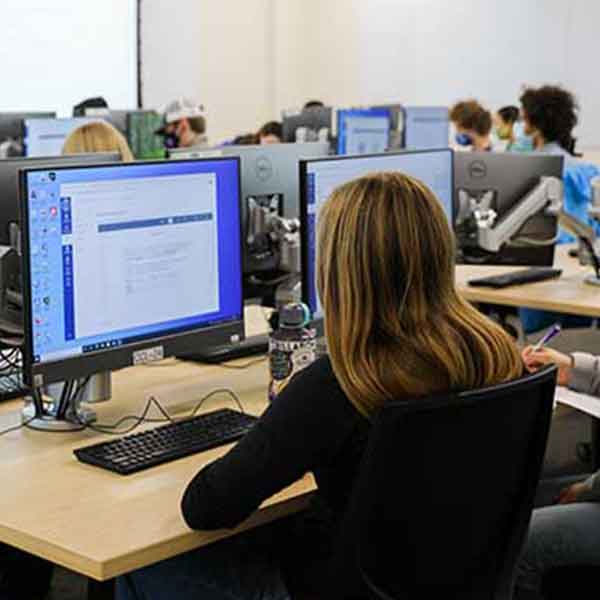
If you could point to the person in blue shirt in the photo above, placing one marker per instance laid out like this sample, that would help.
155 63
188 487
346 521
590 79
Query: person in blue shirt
550 114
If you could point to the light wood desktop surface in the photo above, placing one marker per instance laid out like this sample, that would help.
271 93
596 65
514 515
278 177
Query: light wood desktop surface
568 294
101 524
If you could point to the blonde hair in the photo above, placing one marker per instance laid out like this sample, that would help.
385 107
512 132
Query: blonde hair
98 136
395 324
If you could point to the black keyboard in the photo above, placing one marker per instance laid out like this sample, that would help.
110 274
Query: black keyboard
251 346
139 451
517 277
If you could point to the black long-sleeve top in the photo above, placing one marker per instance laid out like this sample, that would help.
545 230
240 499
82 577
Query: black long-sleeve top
311 426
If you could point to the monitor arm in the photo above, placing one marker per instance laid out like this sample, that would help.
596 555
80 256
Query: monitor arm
493 233
280 235
586 235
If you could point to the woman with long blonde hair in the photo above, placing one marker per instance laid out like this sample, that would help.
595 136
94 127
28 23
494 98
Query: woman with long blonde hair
396 329
97 136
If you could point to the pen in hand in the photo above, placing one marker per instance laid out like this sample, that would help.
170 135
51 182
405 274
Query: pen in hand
551 333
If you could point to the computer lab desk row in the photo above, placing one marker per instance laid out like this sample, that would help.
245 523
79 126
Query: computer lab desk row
102 525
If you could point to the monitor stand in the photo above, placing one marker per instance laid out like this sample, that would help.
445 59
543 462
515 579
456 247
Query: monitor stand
51 412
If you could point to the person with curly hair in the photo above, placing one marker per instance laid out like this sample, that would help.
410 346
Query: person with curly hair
550 113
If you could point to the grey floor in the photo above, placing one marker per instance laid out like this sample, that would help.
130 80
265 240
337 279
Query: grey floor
561 455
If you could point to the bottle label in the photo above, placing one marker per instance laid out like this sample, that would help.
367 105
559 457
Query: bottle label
288 357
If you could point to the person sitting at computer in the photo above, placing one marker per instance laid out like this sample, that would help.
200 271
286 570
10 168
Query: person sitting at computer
310 104
550 113
408 333
510 130
98 136
473 125
184 125
565 530
270 133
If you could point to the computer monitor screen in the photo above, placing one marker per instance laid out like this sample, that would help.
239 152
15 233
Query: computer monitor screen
12 123
363 131
488 189
113 272
46 137
318 178
426 127
9 181
309 125
143 141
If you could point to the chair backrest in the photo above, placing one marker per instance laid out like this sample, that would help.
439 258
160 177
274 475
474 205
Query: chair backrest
444 495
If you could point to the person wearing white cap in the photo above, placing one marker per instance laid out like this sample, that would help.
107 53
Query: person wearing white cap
184 124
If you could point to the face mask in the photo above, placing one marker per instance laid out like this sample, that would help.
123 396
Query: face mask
463 139
503 133
170 140
523 142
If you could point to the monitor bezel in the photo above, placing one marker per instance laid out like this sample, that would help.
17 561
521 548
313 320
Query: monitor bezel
318 322
85 365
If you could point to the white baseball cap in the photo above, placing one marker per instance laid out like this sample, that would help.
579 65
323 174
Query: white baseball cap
182 108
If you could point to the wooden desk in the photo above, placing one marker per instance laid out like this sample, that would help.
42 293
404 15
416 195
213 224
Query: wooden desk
101 524
568 294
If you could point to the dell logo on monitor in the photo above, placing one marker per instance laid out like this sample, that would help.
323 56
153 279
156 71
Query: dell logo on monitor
264 168
477 169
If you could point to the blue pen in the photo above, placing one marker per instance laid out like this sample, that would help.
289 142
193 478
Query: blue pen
551 333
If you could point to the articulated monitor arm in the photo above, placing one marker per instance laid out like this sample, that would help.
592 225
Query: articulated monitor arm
492 235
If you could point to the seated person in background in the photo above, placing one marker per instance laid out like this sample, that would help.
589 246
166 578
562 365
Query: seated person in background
567 533
97 103
313 104
407 334
245 139
510 130
473 125
98 136
270 133
185 125
550 114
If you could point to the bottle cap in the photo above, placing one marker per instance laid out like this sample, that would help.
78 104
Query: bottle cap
295 315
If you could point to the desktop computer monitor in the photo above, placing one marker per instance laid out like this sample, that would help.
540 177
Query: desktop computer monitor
115 276
11 123
12 127
309 125
269 180
318 179
363 130
9 181
143 141
426 127
46 137
118 119
490 194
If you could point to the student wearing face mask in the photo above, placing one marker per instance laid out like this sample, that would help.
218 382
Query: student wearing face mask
473 124
510 130
184 125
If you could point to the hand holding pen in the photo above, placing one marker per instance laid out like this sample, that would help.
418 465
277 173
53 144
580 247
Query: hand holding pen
538 356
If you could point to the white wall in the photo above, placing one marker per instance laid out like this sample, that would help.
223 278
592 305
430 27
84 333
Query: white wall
215 51
435 51
246 60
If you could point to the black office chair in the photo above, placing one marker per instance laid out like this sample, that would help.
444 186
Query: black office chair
444 495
